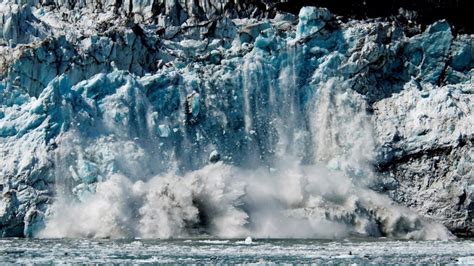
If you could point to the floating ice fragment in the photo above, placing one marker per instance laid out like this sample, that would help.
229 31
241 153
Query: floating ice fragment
248 241
208 241
466 260
136 244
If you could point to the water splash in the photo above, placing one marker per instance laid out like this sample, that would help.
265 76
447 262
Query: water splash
230 202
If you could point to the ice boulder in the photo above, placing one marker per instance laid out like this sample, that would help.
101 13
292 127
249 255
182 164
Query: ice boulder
311 20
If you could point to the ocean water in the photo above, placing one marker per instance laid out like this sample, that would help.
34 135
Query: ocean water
235 251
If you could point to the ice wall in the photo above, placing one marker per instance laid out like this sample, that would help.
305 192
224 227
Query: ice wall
280 127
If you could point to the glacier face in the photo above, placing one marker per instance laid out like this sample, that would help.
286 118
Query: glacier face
176 118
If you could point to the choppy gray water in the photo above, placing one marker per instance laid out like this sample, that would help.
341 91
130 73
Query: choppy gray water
234 251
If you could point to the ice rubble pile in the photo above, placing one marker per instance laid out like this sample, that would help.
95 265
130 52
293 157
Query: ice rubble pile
112 115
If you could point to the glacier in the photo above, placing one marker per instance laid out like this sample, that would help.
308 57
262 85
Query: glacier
168 119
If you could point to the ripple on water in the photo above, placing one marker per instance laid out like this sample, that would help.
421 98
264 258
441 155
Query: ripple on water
234 251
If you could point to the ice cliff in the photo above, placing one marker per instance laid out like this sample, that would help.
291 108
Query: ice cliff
230 118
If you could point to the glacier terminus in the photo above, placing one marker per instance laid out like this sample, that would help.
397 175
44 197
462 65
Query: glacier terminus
228 119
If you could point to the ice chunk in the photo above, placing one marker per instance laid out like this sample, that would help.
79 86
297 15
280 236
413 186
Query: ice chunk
426 52
37 107
214 157
469 260
192 103
87 171
164 131
248 240
311 20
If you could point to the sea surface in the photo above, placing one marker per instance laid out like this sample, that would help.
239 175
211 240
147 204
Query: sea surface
235 251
